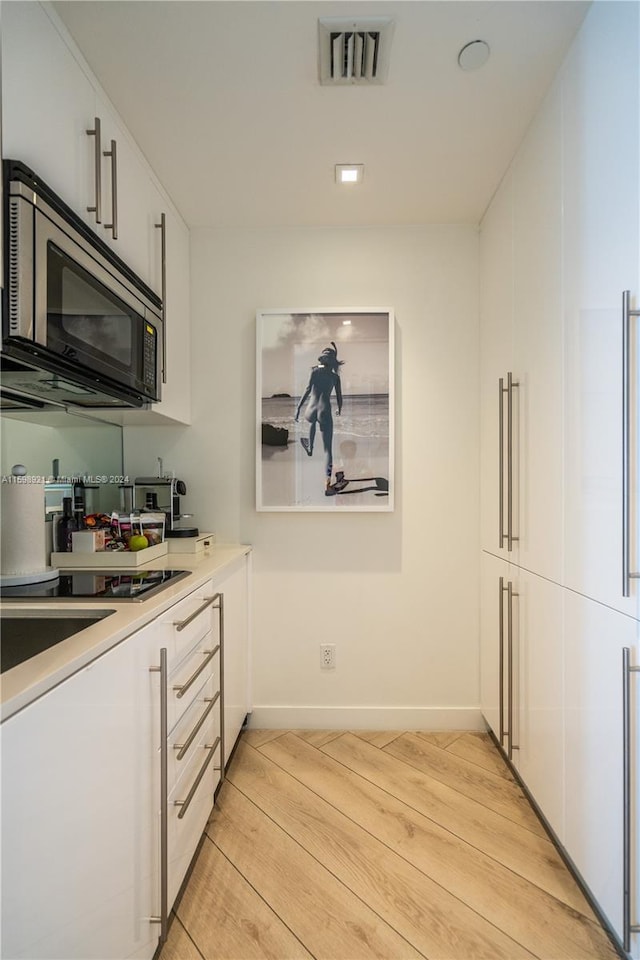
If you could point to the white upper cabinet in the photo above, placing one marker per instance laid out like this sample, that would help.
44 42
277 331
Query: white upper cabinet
130 200
50 101
521 356
176 390
601 203
496 356
48 105
538 344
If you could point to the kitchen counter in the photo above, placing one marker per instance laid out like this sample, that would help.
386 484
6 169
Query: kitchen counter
27 681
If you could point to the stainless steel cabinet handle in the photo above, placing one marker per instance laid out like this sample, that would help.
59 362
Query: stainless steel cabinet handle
510 387
163 919
97 162
627 926
511 746
181 624
501 393
184 804
627 314
209 654
501 591
162 227
182 748
221 621
113 226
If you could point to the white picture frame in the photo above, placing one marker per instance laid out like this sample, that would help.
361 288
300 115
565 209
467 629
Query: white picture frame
325 410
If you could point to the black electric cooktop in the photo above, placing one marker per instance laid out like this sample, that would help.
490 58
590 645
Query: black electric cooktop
96 585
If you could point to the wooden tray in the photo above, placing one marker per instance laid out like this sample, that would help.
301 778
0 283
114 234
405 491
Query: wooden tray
108 559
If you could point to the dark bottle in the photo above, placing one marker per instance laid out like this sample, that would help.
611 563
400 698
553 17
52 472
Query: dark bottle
66 526
78 513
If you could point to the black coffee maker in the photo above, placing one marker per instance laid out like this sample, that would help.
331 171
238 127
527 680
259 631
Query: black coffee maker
163 495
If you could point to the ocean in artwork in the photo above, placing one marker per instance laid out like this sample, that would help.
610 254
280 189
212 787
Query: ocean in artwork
364 416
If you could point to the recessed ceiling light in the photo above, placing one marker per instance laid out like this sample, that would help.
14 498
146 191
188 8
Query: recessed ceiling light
349 172
474 55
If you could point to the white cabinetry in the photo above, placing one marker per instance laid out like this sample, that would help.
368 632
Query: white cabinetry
49 102
538 616
135 203
601 251
78 858
494 573
496 354
522 344
521 676
176 390
594 638
47 105
96 839
192 635
558 247
235 588
538 342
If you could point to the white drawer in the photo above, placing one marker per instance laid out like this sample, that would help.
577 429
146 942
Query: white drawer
186 680
185 831
190 619
199 724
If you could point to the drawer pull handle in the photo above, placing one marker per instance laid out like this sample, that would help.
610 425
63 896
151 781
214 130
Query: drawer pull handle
181 624
209 654
183 747
184 804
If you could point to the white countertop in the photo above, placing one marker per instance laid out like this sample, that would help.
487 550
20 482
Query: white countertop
27 681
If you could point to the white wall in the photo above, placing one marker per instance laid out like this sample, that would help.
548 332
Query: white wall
397 593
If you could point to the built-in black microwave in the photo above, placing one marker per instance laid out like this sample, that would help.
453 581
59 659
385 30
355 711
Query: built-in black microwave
78 326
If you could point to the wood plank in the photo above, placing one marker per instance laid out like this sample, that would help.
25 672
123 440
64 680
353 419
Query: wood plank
529 855
257 737
440 739
528 914
479 748
179 945
496 793
226 918
317 737
379 738
319 910
434 921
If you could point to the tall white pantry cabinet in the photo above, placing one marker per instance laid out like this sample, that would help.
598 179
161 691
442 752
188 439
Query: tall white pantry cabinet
560 459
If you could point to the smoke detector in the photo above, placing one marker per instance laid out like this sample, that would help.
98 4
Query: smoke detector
354 50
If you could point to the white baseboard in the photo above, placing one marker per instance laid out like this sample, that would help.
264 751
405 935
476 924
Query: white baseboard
366 718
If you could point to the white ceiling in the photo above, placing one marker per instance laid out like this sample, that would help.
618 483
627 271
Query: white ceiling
224 100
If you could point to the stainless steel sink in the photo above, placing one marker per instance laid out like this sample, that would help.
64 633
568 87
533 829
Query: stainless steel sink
26 633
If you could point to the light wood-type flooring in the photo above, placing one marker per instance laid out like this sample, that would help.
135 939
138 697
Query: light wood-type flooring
354 845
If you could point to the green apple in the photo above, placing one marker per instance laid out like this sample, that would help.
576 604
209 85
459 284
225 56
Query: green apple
138 542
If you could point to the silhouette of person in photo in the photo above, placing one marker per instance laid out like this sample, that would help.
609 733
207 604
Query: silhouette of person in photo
324 379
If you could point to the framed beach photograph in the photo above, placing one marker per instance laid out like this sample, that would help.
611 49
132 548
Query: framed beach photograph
325 410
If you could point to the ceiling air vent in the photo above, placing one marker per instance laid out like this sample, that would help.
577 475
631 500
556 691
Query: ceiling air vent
354 51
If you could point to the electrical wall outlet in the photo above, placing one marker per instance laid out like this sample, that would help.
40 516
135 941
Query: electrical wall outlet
328 656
